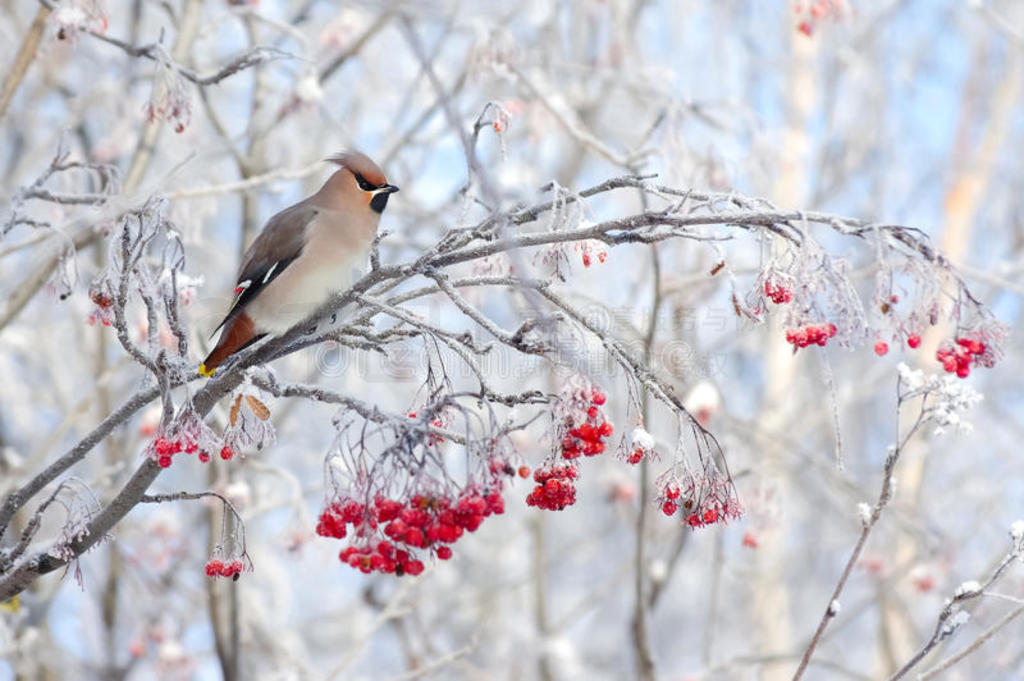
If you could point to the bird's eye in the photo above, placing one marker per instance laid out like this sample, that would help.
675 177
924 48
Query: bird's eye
363 184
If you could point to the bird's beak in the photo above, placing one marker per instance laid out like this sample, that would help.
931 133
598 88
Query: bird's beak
385 189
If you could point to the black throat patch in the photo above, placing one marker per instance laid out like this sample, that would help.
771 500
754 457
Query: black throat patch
379 201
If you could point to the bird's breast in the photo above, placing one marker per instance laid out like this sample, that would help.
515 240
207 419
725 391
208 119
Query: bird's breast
335 256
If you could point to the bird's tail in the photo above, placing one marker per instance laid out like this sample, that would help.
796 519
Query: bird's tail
239 333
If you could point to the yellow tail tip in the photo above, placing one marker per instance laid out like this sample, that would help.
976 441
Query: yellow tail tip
12 605
203 371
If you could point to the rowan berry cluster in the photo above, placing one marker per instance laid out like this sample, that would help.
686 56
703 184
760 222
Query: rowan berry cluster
587 438
701 499
219 568
556 487
777 293
958 357
163 450
387 532
810 334
584 433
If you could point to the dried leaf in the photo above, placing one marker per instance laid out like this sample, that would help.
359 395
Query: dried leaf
233 415
258 408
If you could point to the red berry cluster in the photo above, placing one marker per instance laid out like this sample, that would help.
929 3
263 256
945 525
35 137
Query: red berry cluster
701 502
777 293
957 358
810 334
422 522
163 449
585 432
587 438
556 487
218 568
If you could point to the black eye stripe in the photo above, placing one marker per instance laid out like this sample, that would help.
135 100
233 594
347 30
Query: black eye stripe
363 184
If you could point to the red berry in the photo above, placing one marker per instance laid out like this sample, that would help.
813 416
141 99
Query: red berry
881 347
913 340
444 552
669 508
586 260
164 461
524 471
598 398
226 453
213 568
204 457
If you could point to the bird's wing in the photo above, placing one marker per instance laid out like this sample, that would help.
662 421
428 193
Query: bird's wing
276 247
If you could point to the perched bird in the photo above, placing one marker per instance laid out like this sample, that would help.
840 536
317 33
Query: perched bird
304 254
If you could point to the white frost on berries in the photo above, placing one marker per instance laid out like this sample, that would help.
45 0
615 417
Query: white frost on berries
642 439
864 512
834 607
703 400
968 588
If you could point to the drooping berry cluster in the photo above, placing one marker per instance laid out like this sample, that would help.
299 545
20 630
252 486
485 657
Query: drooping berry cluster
810 334
556 487
587 438
701 498
219 568
387 532
584 431
777 293
163 449
959 356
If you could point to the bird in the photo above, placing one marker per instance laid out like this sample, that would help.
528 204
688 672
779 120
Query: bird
303 255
